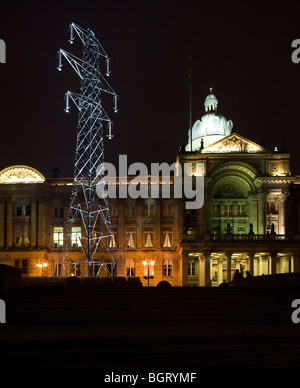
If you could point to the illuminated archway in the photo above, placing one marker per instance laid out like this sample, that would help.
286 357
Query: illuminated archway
20 174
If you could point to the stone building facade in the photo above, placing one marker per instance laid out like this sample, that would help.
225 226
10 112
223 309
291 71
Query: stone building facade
249 220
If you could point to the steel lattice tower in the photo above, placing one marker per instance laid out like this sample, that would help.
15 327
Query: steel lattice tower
85 204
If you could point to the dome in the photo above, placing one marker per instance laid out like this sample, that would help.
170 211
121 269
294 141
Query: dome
210 102
211 127
21 174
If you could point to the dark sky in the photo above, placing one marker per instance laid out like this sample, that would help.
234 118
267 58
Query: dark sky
241 49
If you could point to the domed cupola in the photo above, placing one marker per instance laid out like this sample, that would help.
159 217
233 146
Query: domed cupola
211 102
211 127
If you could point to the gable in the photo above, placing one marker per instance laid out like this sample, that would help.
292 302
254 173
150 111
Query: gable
234 143
21 174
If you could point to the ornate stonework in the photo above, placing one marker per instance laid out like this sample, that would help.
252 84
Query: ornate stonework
233 143
21 174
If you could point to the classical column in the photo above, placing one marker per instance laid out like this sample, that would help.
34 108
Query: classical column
33 224
261 229
207 281
281 213
139 232
264 265
228 267
253 213
121 226
220 271
9 230
184 268
273 257
296 262
2 224
285 263
251 263
41 223
157 228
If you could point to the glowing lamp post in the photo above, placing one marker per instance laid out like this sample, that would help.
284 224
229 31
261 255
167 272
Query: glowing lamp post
42 266
149 270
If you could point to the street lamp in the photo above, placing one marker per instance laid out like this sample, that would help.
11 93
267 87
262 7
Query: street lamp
42 266
147 263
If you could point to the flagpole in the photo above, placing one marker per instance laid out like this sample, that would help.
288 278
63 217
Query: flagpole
190 85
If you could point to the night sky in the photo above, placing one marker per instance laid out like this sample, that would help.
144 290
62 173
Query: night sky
243 50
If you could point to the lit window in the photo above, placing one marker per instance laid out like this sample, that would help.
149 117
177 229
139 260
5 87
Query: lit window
167 268
191 268
113 239
167 236
130 267
22 237
148 237
76 236
272 207
58 236
130 237
57 269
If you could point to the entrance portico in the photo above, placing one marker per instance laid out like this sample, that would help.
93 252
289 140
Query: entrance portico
213 268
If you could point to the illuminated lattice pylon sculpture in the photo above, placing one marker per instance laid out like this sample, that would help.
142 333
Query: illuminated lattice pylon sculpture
85 203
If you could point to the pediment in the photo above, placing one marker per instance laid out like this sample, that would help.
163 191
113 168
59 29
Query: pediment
234 143
21 174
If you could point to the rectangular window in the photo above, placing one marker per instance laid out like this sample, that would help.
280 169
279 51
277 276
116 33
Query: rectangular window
59 212
167 269
24 266
148 237
18 209
58 236
130 210
27 210
167 237
18 235
114 238
57 269
130 237
215 211
148 210
130 267
272 207
191 268
76 236
227 210
167 210
22 236
241 212
26 235
113 210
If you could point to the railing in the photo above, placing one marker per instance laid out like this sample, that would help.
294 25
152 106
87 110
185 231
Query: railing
186 237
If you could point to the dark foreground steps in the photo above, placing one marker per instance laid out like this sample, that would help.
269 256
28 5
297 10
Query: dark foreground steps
147 328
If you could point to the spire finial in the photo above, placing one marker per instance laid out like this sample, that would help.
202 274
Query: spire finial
210 90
